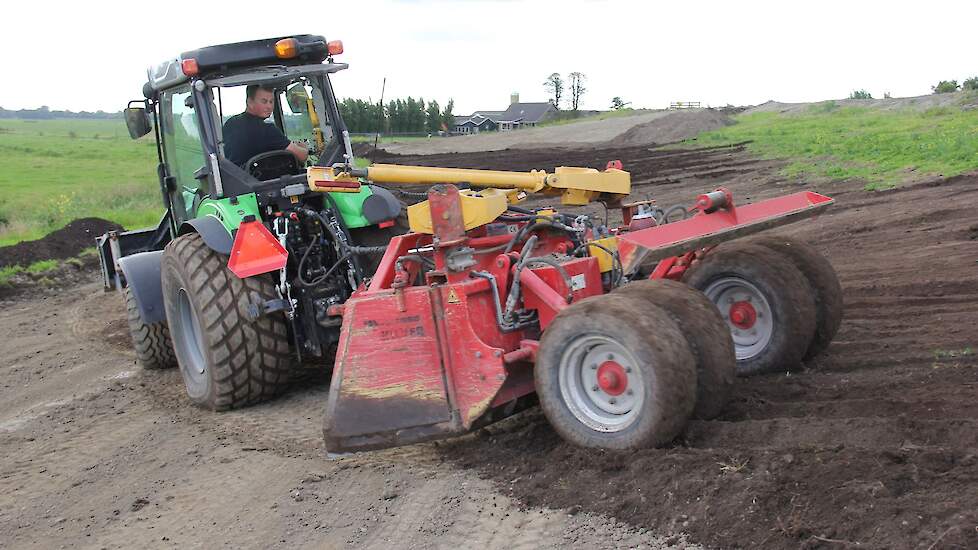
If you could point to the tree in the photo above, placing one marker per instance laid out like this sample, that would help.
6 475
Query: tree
432 117
970 83
554 85
860 94
577 88
618 104
447 118
945 87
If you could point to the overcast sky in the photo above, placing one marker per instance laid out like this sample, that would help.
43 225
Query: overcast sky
93 55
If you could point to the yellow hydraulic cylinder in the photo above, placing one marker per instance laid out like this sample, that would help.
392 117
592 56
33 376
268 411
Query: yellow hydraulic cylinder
531 181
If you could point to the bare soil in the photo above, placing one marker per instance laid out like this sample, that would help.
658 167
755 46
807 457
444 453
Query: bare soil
64 243
873 445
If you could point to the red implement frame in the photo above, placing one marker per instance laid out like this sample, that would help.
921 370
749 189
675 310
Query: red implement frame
708 229
428 358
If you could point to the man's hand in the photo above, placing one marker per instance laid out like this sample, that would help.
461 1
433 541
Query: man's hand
299 151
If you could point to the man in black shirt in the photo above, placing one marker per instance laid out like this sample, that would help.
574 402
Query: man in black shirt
247 134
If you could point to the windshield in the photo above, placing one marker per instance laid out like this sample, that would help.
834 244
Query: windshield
299 115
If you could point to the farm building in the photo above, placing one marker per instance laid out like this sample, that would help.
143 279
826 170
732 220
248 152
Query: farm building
518 115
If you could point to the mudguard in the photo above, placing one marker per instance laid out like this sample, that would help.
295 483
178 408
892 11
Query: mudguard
142 274
215 235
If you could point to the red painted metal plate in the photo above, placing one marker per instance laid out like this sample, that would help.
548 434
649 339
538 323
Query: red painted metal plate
673 239
388 385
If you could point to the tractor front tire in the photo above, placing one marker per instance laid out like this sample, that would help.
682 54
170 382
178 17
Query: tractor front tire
825 284
227 359
154 350
765 301
705 331
615 376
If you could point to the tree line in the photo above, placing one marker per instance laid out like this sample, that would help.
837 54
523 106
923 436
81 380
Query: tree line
399 116
46 113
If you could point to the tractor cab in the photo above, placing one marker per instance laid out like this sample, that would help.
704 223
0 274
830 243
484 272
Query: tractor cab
192 97
290 206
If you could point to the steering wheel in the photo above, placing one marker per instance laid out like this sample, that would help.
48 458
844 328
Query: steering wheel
273 164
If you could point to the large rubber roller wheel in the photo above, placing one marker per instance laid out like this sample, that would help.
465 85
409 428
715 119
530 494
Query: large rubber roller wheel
151 341
615 376
705 331
825 284
227 359
767 304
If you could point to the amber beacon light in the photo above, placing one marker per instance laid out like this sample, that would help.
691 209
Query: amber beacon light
287 48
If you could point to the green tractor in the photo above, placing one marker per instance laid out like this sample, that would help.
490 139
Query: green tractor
246 271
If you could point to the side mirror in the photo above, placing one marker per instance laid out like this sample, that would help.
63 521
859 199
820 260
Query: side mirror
137 120
298 98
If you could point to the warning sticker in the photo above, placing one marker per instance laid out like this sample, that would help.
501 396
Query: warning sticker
453 297
578 282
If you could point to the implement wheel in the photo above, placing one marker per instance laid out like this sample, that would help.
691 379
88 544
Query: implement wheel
767 304
705 331
150 340
825 284
615 376
227 360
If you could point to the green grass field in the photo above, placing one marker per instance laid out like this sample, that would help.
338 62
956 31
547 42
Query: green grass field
883 148
55 171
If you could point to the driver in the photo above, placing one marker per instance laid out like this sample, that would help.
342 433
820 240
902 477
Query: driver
247 134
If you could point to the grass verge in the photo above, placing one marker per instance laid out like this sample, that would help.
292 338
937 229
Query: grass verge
883 148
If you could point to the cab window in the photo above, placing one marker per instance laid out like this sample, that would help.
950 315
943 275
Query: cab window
181 138
298 114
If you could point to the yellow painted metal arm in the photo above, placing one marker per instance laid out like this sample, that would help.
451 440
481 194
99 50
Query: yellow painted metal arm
575 185
531 181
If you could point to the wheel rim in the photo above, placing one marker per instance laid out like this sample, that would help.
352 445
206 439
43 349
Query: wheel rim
601 383
187 333
747 313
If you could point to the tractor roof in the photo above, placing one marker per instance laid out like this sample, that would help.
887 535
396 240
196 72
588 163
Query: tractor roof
239 58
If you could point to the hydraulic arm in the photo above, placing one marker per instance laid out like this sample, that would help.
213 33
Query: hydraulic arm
576 186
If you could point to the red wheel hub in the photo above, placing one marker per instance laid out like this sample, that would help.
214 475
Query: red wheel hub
743 315
612 378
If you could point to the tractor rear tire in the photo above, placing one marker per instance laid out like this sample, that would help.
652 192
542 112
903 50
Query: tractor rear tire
825 284
614 376
765 301
154 350
705 331
227 359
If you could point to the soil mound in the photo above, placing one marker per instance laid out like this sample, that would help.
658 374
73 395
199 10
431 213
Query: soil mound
672 127
66 242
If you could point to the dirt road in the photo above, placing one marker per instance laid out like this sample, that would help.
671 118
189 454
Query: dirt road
96 453
643 128
874 444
